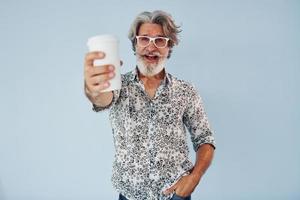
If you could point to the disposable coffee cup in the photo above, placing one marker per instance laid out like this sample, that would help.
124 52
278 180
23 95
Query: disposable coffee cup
108 44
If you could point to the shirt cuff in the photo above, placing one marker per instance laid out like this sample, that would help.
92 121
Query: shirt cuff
207 140
97 108
101 108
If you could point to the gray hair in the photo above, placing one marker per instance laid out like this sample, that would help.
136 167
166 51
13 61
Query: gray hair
170 29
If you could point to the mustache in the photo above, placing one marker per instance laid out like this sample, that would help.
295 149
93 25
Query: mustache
148 53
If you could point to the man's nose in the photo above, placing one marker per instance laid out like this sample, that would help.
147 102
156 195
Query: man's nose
151 46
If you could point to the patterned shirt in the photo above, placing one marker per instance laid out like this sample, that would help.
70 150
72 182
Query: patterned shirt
150 136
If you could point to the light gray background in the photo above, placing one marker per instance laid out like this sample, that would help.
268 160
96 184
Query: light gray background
243 56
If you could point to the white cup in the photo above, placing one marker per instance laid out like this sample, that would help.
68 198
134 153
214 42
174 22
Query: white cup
108 44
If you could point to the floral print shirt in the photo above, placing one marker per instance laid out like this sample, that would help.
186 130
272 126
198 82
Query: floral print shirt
150 137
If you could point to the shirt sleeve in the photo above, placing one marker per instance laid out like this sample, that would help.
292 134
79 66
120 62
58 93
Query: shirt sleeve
195 119
116 94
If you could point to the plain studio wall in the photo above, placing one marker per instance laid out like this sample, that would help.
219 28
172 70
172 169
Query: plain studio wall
243 57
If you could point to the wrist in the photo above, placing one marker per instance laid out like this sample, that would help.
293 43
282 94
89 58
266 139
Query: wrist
196 175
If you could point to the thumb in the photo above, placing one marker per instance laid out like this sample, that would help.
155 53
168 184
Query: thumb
170 189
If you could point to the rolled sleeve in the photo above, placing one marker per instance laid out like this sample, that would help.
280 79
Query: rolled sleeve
195 119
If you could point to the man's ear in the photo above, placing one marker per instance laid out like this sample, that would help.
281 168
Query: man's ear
169 53
134 46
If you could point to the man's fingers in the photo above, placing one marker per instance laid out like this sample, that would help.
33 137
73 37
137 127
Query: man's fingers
94 55
170 190
100 78
104 69
93 71
95 90
91 56
97 77
97 70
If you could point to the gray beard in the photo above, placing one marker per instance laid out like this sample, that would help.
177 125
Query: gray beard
150 69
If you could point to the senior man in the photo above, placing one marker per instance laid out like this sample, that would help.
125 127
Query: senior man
149 117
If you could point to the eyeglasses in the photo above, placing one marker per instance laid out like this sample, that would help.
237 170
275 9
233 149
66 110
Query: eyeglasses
159 42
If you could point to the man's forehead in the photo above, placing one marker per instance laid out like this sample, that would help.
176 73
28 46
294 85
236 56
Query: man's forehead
151 29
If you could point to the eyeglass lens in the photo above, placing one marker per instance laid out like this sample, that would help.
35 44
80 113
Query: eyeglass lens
158 41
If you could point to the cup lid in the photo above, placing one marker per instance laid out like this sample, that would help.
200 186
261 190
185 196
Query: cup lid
102 38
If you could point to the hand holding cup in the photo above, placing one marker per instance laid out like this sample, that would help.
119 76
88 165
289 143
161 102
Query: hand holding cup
102 65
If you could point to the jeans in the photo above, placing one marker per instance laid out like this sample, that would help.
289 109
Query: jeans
121 197
175 197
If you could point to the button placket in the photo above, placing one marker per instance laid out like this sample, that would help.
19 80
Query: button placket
151 132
